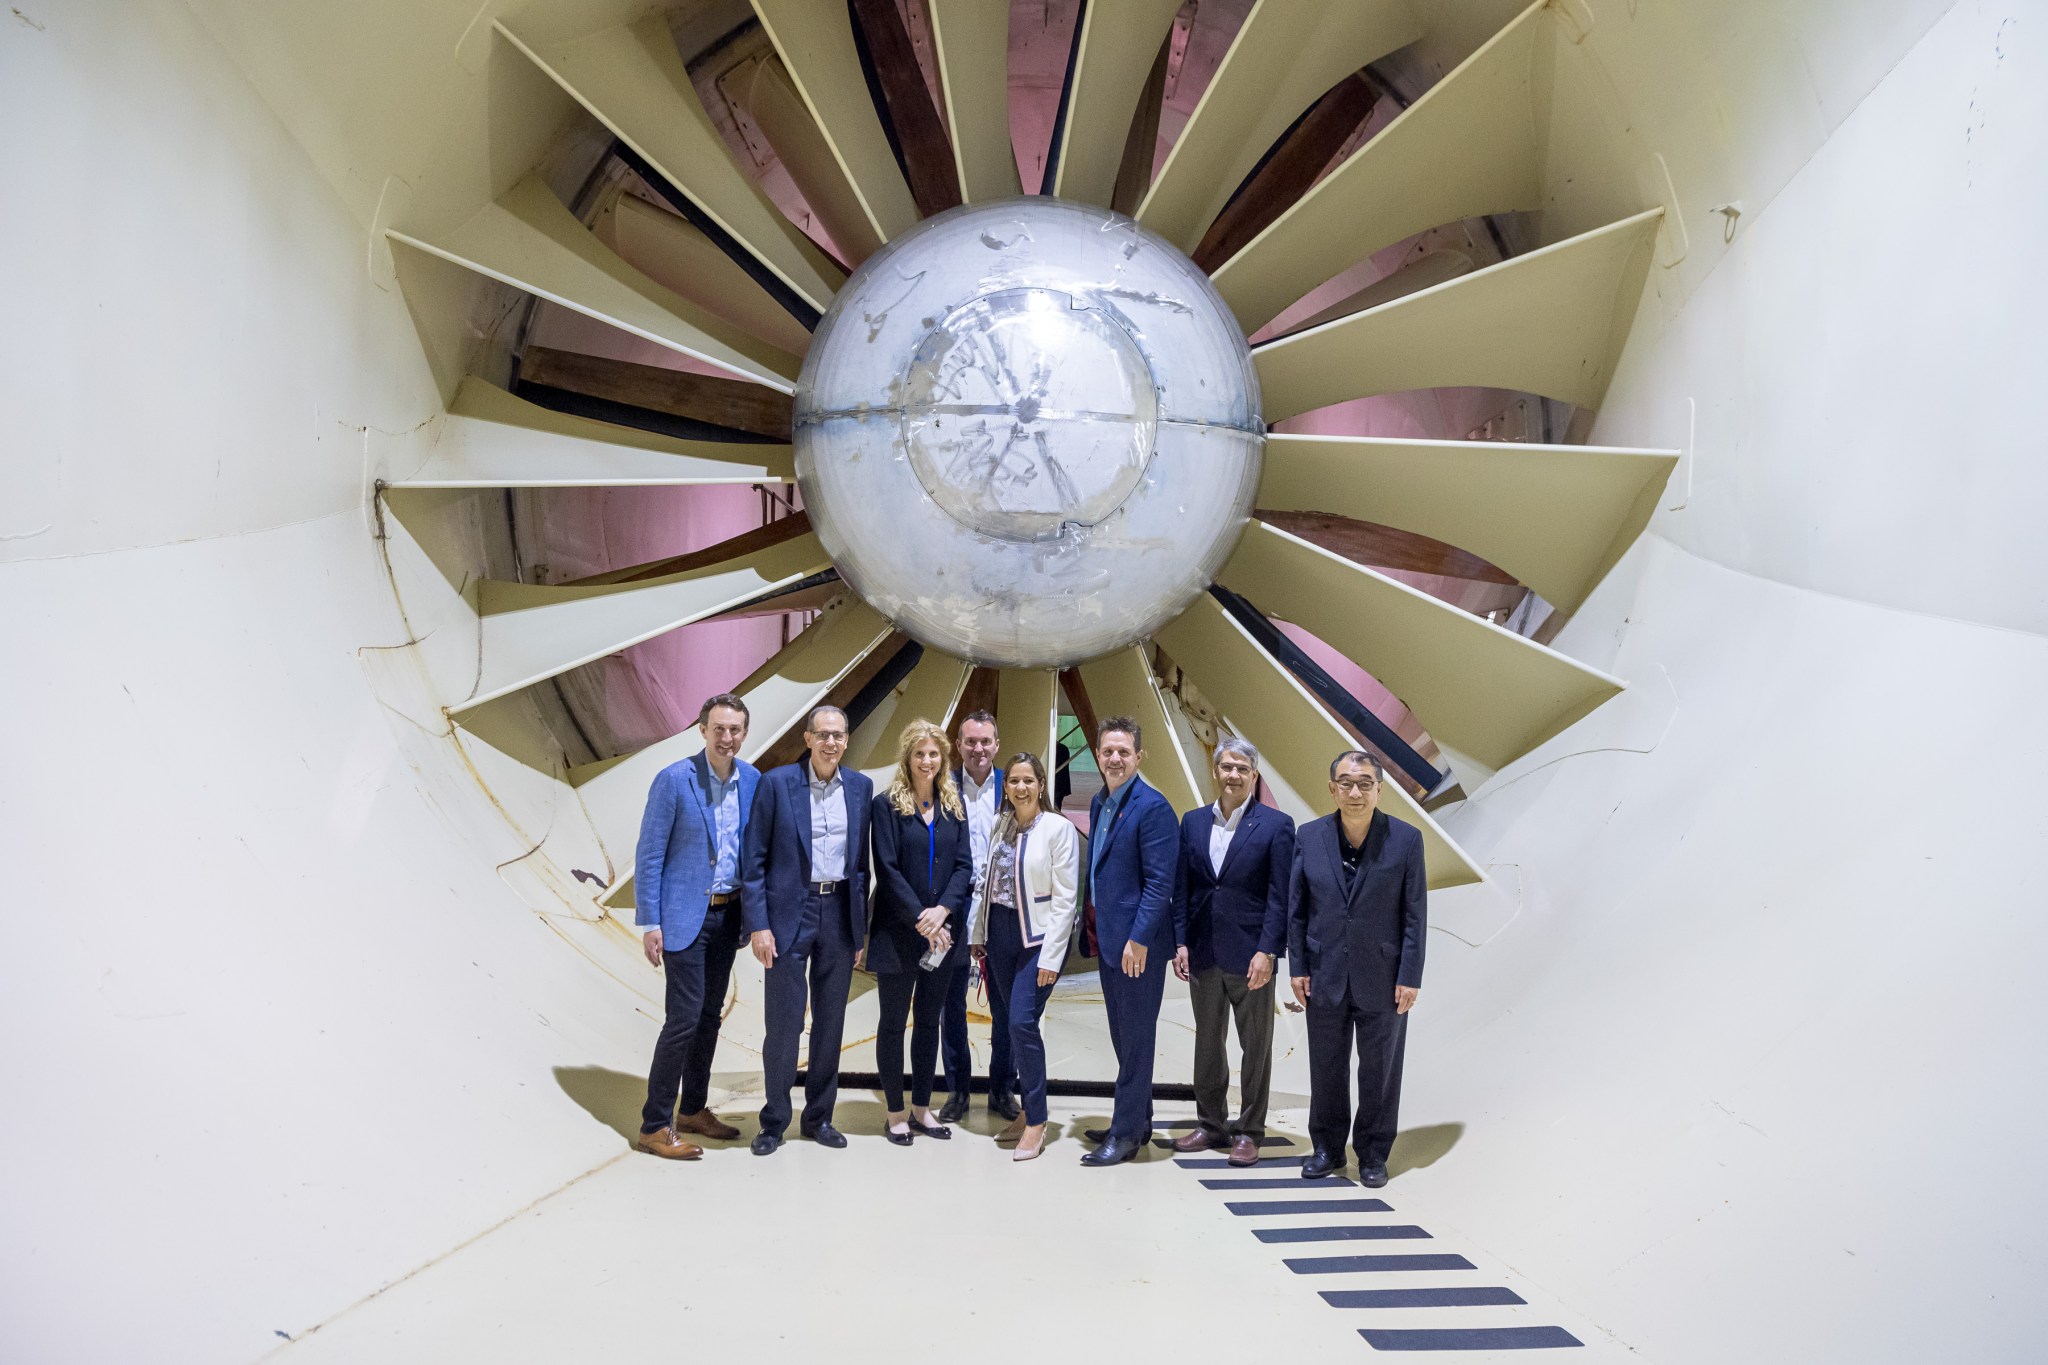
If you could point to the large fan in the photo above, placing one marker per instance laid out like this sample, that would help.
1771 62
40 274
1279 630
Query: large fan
873 154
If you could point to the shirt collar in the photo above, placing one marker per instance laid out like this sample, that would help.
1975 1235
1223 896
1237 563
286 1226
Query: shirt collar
973 790
811 777
1236 817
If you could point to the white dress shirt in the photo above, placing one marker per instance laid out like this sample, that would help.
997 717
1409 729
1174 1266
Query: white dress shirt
981 801
828 825
1221 833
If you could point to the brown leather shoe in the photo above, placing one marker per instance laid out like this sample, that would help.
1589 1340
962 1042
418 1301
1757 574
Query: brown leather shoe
664 1142
704 1123
1244 1150
1195 1140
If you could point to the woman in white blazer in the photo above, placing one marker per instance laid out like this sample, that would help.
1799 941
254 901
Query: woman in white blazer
1018 926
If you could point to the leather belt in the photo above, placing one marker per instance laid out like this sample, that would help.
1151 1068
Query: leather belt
724 897
826 888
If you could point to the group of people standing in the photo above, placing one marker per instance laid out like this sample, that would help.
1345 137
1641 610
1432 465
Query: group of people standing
968 862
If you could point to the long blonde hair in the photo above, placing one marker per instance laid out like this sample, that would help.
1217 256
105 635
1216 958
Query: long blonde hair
903 792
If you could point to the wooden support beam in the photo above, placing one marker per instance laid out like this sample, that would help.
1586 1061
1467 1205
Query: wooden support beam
1077 697
1289 169
788 747
730 403
745 543
1141 148
920 134
1385 547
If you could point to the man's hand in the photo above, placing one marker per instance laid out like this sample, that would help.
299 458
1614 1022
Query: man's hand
650 944
1261 972
763 944
1404 998
1134 958
1300 984
932 920
1180 962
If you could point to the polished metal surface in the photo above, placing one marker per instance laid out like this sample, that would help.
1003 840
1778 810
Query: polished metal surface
1028 432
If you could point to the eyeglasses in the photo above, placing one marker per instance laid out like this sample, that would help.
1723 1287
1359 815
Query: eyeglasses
1234 769
828 736
1357 786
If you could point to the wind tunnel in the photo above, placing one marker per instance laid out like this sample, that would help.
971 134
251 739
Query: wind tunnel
405 429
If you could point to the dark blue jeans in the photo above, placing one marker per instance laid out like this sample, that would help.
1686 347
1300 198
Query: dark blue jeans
697 977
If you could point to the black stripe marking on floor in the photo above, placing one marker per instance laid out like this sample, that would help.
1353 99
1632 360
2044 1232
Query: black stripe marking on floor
1466 1338
1382 1232
1271 1207
1222 1163
1288 1183
1341 1265
1448 1296
1264 1142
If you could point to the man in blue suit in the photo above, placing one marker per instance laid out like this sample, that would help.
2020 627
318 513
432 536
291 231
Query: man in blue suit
1230 921
686 883
804 902
1357 915
1133 855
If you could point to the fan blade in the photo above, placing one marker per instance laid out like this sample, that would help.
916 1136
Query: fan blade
1551 322
529 240
1122 685
1482 690
777 694
1284 57
1113 51
1028 714
494 440
815 41
532 631
972 38
1556 517
928 694
1469 146
632 80
1297 738
674 254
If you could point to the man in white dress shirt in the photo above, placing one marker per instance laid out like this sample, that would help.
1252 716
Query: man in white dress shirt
981 790
1230 928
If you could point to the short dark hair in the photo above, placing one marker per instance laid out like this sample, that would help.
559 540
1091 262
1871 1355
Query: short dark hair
731 701
978 718
1123 723
811 721
1379 769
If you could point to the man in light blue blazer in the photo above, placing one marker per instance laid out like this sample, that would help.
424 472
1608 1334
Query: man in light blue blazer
1133 859
804 905
686 895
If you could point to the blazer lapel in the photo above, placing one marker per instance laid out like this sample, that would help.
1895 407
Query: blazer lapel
800 778
1246 823
699 783
1116 822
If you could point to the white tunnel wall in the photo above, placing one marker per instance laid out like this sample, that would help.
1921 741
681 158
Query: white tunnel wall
1740 1035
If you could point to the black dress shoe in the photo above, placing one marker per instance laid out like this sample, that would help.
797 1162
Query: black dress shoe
1098 1136
1372 1177
1320 1164
900 1139
955 1109
764 1143
1004 1104
1111 1153
825 1135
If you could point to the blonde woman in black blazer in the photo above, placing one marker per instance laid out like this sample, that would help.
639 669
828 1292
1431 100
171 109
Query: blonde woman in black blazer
923 873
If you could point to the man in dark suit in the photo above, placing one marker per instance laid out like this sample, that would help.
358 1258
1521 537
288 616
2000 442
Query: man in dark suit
1357 914
803 901
1230 922
1133 856
686 879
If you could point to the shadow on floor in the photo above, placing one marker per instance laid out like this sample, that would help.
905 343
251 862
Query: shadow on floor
1415 1148
611 1097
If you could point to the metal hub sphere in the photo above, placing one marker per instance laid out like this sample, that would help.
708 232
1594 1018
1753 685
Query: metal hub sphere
1028 432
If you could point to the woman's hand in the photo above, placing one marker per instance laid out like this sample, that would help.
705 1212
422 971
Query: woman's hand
942 942
932 920
1046 978
979 951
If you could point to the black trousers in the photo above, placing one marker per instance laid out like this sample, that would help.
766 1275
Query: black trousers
697 979
816 969
1002 1070
1381 1038
919 996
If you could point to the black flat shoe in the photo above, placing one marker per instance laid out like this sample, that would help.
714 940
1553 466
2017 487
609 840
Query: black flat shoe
765 1143
936 1130
956 1107
900 1139
1320 1164
825 1135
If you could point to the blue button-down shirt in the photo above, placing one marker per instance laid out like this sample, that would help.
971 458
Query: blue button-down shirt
828 825
1097 838
722 799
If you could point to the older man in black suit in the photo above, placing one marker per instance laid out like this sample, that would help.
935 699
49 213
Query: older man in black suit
1357 913
1230 927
